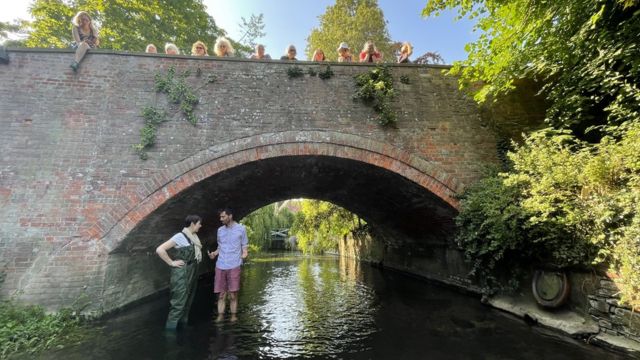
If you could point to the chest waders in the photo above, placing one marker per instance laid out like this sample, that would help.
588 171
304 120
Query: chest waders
183 287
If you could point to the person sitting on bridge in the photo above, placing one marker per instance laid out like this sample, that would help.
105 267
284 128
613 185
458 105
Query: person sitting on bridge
171 49
318 55
188 253
405 52
290 54
199 49
259 54
223 47
370 53
151 49
85 37
233 246
344 53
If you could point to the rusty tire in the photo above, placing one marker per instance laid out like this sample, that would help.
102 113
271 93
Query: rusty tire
551 289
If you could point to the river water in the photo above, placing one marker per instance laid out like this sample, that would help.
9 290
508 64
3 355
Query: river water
328 308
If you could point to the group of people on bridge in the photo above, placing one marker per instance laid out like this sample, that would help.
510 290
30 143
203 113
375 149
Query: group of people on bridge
85 37
187 253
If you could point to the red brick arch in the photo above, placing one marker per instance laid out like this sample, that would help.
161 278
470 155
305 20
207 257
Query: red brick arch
161 187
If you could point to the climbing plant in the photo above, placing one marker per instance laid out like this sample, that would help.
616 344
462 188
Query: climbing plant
180 94
375 88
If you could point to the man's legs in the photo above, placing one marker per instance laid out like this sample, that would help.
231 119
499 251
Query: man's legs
221 305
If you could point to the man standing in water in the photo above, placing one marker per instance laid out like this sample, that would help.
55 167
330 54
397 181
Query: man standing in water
232 248
184 268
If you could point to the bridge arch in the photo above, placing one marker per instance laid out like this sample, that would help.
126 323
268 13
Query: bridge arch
162 188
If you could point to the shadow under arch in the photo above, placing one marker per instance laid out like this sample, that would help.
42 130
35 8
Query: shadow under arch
363 172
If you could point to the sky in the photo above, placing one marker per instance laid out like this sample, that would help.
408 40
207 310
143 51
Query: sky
291 21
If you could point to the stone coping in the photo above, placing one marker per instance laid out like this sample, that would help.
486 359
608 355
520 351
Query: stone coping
215 58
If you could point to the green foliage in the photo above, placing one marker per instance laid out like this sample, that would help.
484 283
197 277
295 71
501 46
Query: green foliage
564 203
405 79
586 51
319 225
354 22
312 72
295 72
375 88
28 329
261 222
179 93
326 74
124 25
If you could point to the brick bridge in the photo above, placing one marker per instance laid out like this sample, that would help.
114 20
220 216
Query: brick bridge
81 214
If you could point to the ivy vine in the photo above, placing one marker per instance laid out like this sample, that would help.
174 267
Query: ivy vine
375 88
180 94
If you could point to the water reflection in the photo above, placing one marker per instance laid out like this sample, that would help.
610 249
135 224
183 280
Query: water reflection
328 308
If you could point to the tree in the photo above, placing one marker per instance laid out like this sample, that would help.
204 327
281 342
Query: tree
429 58
353 22
586 51
319 225
124 25
251 30
261 222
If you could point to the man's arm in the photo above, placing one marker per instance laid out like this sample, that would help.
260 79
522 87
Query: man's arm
245 243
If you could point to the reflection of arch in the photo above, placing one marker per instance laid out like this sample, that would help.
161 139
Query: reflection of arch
164 185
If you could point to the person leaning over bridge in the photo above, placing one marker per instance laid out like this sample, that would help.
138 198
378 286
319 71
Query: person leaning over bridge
171 49
199 49
232 248
223 47
405 52
344 53
370 53
151 49
318 55
85 37
290 53
259 54
184 266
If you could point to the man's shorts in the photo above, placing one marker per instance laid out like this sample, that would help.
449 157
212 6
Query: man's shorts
226 280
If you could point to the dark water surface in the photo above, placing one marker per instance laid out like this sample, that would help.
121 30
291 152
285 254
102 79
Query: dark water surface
329 308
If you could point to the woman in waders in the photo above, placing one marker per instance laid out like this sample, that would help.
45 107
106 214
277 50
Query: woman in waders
184 268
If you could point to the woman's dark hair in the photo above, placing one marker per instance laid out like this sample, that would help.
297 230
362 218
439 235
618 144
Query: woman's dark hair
191 219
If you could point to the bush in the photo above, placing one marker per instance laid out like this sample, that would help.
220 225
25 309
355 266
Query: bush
28 329
564 203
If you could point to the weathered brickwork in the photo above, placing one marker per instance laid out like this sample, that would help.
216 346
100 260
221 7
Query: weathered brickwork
76 199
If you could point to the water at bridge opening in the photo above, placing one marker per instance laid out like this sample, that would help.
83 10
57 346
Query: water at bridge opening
326 307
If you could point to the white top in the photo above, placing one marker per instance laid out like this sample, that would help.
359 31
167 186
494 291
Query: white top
181 240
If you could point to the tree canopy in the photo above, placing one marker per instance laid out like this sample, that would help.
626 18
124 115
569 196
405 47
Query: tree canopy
124 25
585 51
261 222
353 22
319 225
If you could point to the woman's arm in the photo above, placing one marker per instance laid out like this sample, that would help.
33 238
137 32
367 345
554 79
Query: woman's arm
162 252
76 35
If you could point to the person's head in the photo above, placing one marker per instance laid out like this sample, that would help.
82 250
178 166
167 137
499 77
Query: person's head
82 18
406 48
369 47
193 222
226 216
151 49
260 51
171 49
318 55
199 49
290 52
223 47
343 49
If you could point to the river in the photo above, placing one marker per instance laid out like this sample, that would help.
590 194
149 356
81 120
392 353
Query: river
328 308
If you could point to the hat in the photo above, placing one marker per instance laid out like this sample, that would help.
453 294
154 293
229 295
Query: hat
343 45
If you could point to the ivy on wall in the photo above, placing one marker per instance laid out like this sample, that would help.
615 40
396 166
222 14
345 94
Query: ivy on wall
182 98
375 88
